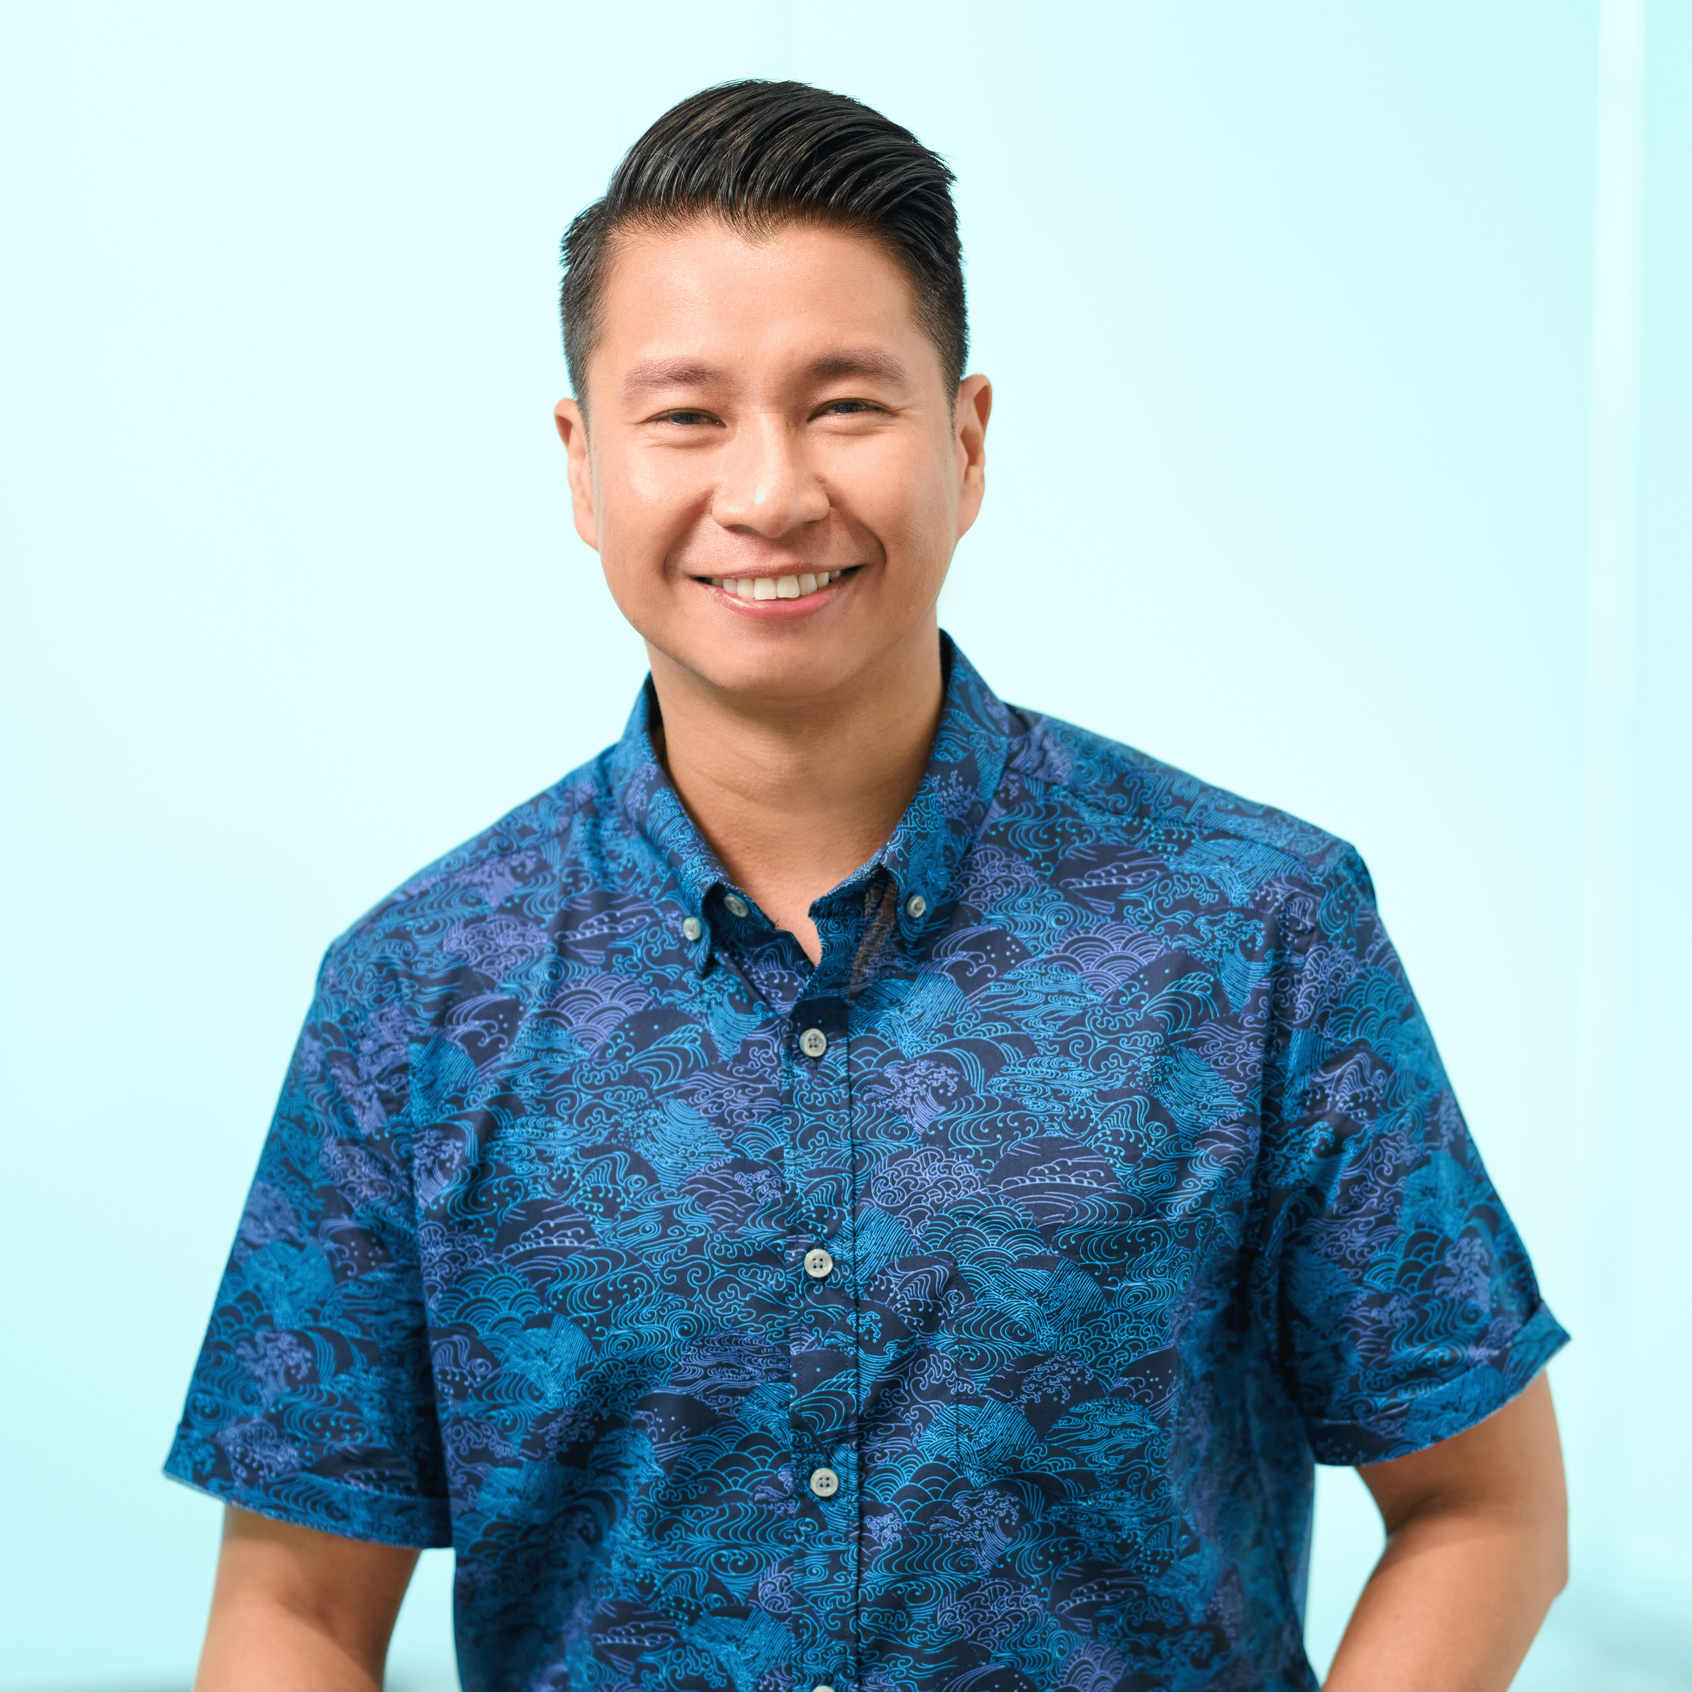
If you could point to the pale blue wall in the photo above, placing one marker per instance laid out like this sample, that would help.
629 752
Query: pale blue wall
1291 311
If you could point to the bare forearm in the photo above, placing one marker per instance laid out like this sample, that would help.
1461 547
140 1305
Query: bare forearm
1452 1605
256 1645
295 1610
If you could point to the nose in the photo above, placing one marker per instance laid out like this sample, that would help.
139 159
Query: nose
766 487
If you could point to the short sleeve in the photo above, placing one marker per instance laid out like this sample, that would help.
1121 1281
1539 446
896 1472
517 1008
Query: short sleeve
1398 1298
312 1398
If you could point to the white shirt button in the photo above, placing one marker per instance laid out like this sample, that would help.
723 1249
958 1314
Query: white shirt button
818 1264
691 928
824 1482
734 904
813 1042
916 907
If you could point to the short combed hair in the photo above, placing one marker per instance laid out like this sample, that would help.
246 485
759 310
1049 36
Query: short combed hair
763 154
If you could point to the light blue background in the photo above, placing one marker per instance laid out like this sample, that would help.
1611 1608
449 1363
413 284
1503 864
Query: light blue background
1291 311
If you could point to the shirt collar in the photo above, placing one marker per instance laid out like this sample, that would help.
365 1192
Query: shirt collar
924 858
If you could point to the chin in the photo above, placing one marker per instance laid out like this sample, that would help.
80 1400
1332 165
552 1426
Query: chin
795 675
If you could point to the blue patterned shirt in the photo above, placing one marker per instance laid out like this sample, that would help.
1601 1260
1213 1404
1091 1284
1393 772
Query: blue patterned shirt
964 1312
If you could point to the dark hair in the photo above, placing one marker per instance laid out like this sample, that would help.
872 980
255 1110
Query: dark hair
761 154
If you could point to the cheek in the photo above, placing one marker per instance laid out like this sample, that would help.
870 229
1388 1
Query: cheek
912 506
643 508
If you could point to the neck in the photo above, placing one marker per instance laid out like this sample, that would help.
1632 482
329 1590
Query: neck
794 795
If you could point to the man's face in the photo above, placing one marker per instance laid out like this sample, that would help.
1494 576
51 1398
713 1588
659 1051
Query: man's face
776 476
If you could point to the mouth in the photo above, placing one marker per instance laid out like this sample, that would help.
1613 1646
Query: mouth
802 586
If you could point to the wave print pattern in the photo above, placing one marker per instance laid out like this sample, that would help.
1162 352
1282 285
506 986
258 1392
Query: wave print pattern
1142 1181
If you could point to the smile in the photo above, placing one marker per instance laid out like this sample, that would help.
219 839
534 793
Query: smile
775 587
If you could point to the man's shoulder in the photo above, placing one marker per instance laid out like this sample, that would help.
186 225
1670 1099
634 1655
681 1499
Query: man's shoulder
1141 806
527 851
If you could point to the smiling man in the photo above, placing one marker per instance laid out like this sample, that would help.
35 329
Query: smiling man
862 1186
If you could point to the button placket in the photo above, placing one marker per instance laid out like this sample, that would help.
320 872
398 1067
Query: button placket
824 1348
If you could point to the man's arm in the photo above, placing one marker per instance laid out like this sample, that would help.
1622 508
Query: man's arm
295 1610
1477 1547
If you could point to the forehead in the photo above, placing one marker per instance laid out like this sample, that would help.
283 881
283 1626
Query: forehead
704 289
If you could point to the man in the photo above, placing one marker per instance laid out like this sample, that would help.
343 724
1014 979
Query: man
861 1186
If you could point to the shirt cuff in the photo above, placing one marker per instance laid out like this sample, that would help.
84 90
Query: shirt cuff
1413 1424
310 1501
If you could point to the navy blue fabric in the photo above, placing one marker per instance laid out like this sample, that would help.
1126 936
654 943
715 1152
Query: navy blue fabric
1141 1178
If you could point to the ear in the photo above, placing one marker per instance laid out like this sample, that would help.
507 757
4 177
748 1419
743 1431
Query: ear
969 422
572 431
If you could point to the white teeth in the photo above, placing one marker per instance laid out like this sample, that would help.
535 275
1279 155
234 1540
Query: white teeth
776 587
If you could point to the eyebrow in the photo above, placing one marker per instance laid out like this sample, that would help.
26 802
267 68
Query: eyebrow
870 362
831 367
667 373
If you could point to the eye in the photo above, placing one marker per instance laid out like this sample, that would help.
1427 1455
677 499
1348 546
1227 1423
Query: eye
847 408
688 419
